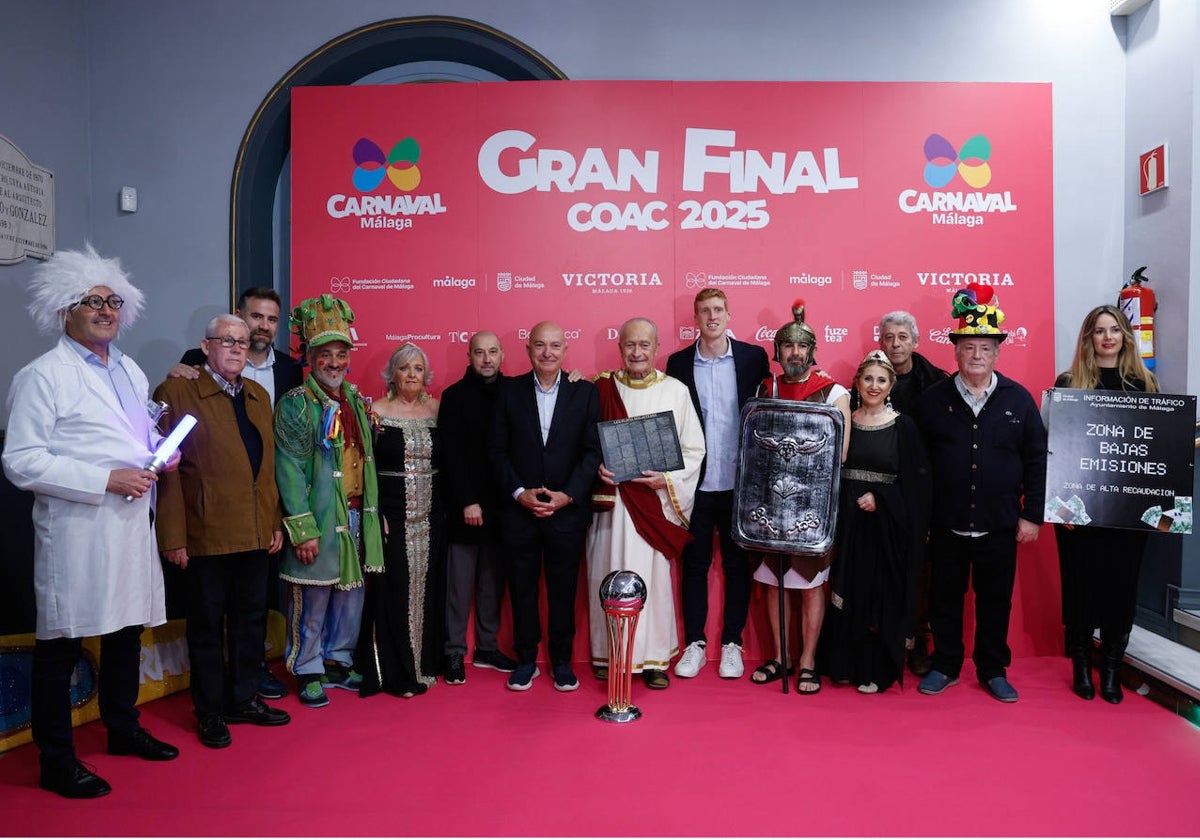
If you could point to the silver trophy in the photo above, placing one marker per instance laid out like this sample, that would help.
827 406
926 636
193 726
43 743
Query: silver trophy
622 595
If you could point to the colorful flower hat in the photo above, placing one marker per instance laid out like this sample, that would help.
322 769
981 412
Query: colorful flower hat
975 308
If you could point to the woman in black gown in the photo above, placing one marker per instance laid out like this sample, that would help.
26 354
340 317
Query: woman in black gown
400 644
1100 566
883 518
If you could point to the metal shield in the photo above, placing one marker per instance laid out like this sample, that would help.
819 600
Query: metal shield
788 472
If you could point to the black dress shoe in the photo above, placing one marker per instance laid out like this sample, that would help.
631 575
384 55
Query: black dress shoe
213 732
258 713
142 744
74 781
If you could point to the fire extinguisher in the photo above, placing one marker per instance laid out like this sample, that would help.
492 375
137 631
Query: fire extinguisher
1137 302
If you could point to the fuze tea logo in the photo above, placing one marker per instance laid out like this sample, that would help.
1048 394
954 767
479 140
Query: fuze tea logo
944 165
385 211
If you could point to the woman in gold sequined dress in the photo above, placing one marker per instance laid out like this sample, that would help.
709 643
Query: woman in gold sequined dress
400 645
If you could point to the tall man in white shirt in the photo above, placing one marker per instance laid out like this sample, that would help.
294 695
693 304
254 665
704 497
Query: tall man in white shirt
721 374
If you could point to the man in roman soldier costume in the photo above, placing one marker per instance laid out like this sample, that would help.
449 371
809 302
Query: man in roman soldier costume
641 524
802 380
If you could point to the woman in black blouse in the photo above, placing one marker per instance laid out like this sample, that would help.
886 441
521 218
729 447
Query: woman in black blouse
1100 566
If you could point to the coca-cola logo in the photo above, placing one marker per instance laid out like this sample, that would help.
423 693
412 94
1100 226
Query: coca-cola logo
765 334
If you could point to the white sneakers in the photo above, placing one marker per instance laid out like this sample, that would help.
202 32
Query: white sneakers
692 661
694 658
731 661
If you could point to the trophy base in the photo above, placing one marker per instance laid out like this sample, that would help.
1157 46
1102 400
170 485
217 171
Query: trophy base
610 715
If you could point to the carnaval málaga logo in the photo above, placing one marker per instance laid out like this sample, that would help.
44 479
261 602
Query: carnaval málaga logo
400 165
371 168
970 165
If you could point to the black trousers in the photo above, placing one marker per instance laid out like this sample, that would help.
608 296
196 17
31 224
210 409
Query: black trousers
531 548
117 684
989 565
714 511
226 622
1099 568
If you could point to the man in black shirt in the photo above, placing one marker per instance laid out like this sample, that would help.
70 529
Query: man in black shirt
475 568
898 338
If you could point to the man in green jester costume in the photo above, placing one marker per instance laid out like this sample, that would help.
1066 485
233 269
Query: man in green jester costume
325 470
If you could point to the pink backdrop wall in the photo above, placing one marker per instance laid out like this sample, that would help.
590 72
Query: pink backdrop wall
437 210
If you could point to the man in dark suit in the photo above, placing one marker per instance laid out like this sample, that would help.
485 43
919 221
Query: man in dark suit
721 374
277 372
544 451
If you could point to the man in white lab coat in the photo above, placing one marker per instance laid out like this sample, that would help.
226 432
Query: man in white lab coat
79 435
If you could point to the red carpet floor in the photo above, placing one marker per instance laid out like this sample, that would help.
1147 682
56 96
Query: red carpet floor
710 757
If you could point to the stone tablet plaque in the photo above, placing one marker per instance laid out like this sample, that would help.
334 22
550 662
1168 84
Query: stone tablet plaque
648 442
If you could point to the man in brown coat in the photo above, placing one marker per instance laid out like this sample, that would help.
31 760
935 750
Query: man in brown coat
218 519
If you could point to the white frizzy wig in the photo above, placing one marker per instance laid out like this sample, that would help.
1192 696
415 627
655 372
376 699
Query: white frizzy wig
63 280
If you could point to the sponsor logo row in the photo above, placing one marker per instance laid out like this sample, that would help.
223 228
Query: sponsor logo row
829 334
1017 336
616 282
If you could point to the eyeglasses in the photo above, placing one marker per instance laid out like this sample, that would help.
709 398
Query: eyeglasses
229 341
96 302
